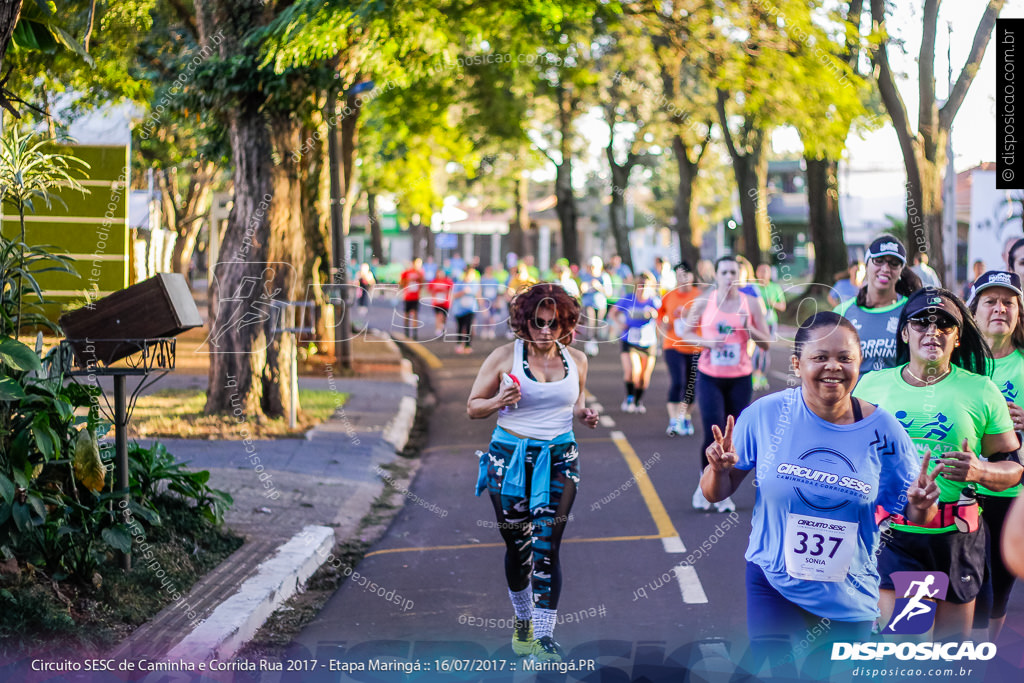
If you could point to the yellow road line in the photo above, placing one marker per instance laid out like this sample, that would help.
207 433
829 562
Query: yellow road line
467 546
432 361
661 519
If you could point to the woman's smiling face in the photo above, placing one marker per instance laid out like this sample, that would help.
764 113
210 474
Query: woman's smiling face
829 363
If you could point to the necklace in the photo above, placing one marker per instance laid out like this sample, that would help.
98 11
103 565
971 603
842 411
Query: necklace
926 382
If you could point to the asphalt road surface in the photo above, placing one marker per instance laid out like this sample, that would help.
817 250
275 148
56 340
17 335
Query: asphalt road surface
652 589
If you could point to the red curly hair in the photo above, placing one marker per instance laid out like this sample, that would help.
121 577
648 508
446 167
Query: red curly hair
545 295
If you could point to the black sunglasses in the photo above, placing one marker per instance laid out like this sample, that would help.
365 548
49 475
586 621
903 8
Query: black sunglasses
894 263
542 324
942 323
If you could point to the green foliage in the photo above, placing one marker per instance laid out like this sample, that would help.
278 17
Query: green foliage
77 616
153 469
39 29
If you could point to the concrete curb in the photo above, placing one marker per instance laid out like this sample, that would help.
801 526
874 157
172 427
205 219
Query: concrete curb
397 431
237 619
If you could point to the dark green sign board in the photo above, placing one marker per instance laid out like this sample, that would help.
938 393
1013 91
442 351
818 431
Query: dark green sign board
92 228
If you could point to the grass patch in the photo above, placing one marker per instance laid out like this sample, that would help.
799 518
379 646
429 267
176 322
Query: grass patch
37 614
178 413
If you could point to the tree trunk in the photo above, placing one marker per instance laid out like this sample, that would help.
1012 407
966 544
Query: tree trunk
521 221
286 254
314 183
924 204
566 209
566 199
258 253
185 247
339 244
9 13
376 239
185 218
924 152
824 223
238 350
751 171
750 166
684 207
617 206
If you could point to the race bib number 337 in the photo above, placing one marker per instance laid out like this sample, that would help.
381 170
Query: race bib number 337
819 549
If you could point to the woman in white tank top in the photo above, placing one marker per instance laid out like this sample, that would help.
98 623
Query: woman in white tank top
537 386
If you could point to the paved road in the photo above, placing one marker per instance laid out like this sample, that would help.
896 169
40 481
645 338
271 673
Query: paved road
650 585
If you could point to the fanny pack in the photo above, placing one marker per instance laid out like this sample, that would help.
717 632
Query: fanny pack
965 516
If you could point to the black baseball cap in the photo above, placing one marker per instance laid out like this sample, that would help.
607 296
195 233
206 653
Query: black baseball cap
930 301
887 246
996 278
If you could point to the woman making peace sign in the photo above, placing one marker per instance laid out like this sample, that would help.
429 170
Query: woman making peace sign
823 461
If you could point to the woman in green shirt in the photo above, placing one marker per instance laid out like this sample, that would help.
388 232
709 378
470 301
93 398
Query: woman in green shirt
941 395
996 302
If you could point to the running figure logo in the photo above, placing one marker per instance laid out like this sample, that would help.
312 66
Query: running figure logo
914 613
901 415
1009 391
938 427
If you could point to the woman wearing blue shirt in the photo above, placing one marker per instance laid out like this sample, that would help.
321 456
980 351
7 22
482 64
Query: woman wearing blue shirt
638 315
823 461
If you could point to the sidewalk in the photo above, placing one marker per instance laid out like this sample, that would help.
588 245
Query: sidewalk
293 500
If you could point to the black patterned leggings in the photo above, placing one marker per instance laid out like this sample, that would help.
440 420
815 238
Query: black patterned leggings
533 537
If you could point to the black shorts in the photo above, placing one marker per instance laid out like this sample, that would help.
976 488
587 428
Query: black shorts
646 350
412 305
960 555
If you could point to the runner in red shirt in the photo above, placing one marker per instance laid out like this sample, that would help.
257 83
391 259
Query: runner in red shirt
440 289
410 282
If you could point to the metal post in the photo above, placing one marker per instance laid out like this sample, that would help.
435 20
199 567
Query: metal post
294 360
121 451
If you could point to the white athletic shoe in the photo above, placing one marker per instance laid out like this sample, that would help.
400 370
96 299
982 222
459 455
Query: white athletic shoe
627 405
673 428
725 505
641 408
591 348
699 501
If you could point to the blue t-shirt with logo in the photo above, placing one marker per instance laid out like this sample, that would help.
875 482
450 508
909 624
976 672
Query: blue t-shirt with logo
818 485
877 330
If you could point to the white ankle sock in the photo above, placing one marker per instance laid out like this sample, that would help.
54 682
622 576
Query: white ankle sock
543 622
522 602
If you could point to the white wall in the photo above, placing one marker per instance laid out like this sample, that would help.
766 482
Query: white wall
988 233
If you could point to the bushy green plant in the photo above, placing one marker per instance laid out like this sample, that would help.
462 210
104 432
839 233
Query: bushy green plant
154 468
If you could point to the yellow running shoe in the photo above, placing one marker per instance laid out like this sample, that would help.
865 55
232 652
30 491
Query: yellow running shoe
522 637
547 650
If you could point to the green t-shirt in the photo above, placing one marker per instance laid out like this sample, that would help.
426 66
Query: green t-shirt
940 417
1008 374
772 294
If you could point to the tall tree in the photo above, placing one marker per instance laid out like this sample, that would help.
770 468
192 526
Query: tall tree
262 245
826 52
684 40
628 73
924 152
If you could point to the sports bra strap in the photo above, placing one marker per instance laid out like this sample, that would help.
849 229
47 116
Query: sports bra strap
858 414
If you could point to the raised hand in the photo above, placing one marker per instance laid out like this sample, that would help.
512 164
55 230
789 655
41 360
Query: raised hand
961 465
508 391
720 454
923 493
